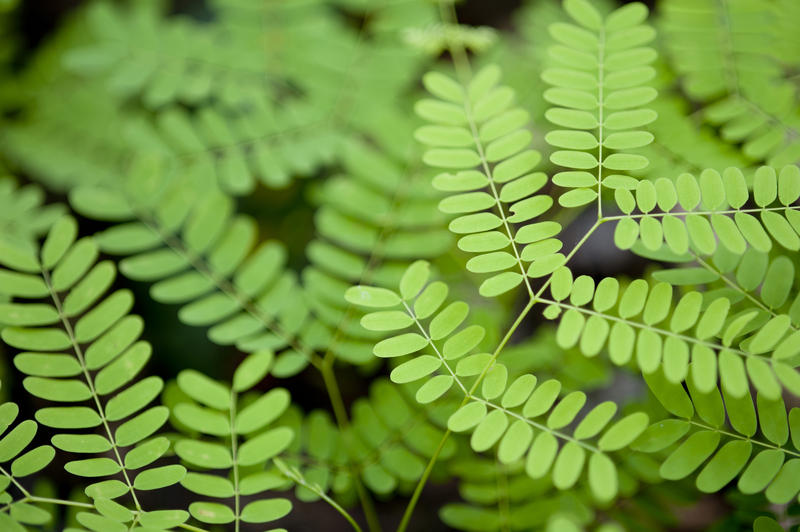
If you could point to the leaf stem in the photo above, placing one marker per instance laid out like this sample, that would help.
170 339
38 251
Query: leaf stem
342 421
421 484
300 479
90 383
14 481
234 458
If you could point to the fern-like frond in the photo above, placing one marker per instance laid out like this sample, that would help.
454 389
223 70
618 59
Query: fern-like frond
80 345
138 51
712 207
752 280
18 462
373 220
22 213
267 142
237 441
499 496
506 414
200 254
480 135
601 68
642 320
502 497
386 446
735 75
722 451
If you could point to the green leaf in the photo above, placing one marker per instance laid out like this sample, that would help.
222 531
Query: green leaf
566 410
689 455
47 365
28 315
61 237
93 467
97 523
252 370
262 411
36 339
208 485
542 399
62 390
430 299
761 471
489 431
266 510
202 419
113 510
368 296
18 255
569 465
414 278
211 512
133 398
448 320
724 467
81 443
595 421
753 232
204 454
415 369
113 342
443 86
123 369
765 186
789 184
434 388
403 344
766 524
541 456
23 285
602 477
204 390
33 461
519 391
159 477
500 284
467 417
713 318
103 316
661 435
89 289
68 417
146 453
163 518
140 427
265 446
623 432
786 484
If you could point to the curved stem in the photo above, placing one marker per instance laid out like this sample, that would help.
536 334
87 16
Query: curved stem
421 484
296 477
524 312
342 421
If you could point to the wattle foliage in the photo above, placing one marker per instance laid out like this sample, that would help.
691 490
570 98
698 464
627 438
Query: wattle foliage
381 219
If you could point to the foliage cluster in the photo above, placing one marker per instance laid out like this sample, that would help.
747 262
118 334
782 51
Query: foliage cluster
368 197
